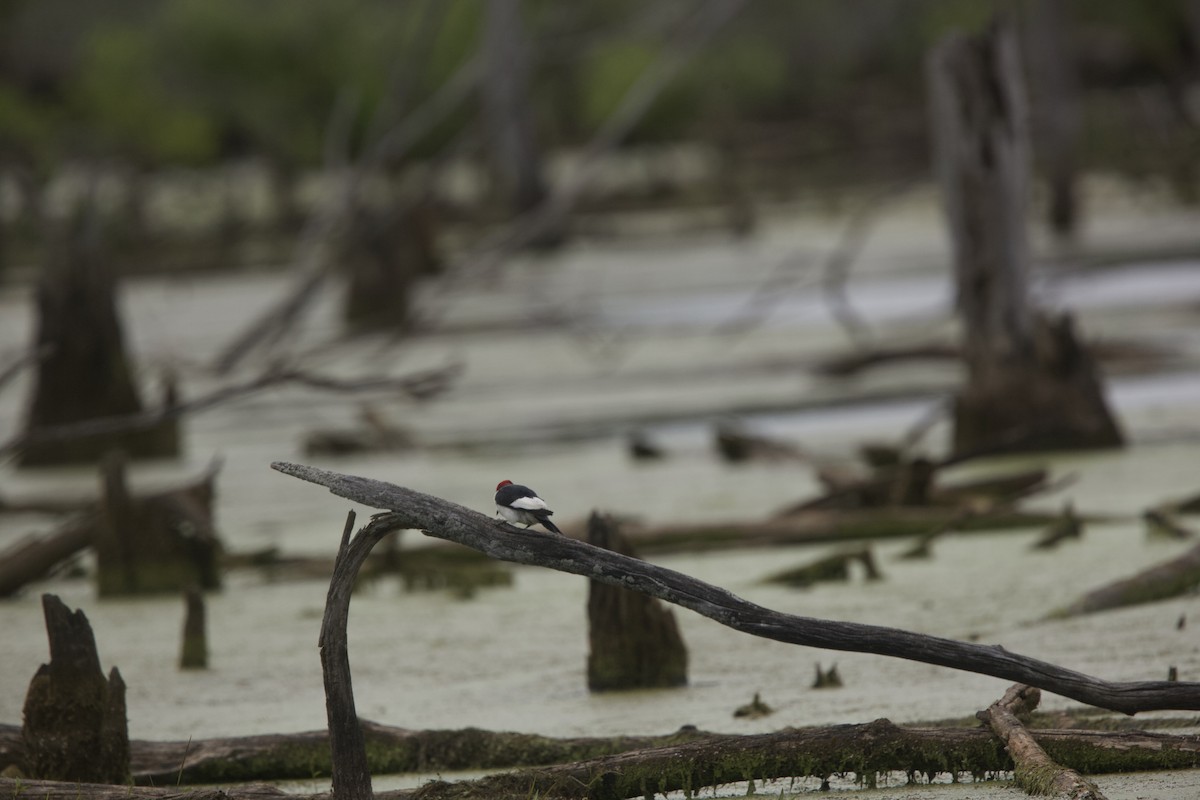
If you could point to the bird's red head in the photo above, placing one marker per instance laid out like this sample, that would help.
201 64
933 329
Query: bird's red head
502 484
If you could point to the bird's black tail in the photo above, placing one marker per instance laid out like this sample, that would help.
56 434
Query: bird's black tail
544 518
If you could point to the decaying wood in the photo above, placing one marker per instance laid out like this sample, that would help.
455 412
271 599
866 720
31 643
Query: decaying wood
833 567
1168 579
350 772
298 756
1034 771
33 557
1070 526
687 758
820 526
87 372
445 520
75 727
1031 384
633 640
158 543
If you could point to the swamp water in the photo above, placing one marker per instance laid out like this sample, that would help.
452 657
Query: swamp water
562 358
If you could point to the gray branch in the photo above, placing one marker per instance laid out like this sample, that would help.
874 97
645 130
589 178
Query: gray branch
445 520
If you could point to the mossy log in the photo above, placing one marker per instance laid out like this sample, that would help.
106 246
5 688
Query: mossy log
633 640
1168 579
87 372
75 728
637 764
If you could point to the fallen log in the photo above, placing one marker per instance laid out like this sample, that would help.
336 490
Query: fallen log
704 760
821 526
300 756
1168 579
1033 771
445 520
33 557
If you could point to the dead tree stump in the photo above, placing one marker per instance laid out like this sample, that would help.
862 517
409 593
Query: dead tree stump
87 372
386 251
634 641
1031 384
160 543
75 727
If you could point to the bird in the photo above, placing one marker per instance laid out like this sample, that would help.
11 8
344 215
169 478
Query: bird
520 505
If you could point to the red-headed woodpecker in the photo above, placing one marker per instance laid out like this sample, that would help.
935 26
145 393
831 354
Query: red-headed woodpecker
520 505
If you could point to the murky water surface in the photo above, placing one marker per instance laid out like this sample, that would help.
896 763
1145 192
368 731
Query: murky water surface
626 337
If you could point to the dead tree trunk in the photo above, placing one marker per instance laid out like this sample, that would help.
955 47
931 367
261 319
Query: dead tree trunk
508 112
193 653
87 372
1171 578
1031 385
75 728
160 543
384 254
1056 109
633 640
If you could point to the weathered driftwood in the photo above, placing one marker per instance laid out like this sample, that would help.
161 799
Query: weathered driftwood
445 520
75 727
1160 523
1168 579
1033 770
737 445
633 640
1031 383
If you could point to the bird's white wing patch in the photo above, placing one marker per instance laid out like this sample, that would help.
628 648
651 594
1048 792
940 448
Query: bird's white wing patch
529 503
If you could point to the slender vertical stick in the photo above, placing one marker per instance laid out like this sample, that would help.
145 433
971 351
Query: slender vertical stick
351 774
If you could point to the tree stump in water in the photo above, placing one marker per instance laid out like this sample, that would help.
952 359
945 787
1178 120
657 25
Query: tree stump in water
385 253
634 641
1031 384
160 543
75 727
87 372
193 653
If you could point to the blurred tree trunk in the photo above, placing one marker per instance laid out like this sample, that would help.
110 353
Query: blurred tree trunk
1031 385
1056 108
517 162
87 374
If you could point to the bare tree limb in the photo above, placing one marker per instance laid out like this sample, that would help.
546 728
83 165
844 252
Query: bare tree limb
445 520
1035 772
419 386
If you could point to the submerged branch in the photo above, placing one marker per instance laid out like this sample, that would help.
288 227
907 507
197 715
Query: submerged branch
445 520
